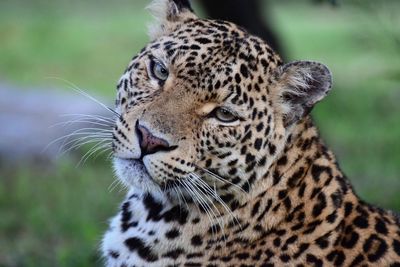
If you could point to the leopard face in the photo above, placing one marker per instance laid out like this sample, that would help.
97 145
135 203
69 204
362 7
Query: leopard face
203 108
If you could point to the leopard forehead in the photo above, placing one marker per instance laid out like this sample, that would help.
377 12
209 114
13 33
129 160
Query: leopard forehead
207 54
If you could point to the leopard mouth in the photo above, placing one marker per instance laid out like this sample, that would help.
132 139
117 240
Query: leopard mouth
133 173
138 163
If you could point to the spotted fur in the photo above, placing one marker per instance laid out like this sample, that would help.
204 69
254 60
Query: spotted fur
260 189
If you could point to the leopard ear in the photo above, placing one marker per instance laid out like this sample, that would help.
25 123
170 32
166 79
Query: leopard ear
301 85
169 14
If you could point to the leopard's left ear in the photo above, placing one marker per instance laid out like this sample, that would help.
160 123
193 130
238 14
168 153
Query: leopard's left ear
301 84
169 14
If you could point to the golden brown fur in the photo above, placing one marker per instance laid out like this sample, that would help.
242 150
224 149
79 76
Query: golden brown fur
224 163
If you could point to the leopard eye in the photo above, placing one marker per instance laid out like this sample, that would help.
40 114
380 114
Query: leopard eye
224 115
158 70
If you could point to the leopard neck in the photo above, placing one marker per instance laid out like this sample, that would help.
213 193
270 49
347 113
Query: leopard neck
303 191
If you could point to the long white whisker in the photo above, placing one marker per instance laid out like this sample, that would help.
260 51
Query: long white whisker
81 121
91 116
195 198
195 183
94 129
183 196
195 191
81 141
83 131
80 91
90 152
219 178
113 185
214 194
179 195
110 154
100 150
77 143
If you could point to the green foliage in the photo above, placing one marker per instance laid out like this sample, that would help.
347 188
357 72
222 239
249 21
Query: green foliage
89 45
55 217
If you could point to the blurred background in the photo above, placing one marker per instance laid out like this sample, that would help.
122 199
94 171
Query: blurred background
54 207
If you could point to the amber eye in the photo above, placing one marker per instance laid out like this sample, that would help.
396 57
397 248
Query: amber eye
158 70
224 115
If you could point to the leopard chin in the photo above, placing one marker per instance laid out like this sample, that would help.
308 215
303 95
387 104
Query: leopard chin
133 174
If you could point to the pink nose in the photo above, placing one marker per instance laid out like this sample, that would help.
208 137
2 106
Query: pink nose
149 143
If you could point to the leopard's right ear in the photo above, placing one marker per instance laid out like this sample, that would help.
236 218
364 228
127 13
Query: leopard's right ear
169 14
300 85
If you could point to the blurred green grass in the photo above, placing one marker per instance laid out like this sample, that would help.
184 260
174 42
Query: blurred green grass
89 45
55 216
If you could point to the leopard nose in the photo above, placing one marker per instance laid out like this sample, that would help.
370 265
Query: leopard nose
149 143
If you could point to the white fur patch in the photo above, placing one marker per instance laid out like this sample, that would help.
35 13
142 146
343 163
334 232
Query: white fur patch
167 16
134 175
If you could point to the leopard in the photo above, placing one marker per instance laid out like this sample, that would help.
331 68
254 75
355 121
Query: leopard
223 163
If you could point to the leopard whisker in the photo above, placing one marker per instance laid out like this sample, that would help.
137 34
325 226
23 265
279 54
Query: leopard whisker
219 178
85 118
91 151
79 142
178 196
114 184
79 132
214 194
85 121
183 197
97 117
80 91
110 154
217 217
85 132
82 140
200 202
102 149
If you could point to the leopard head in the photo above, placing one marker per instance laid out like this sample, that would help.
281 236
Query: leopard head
206 108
